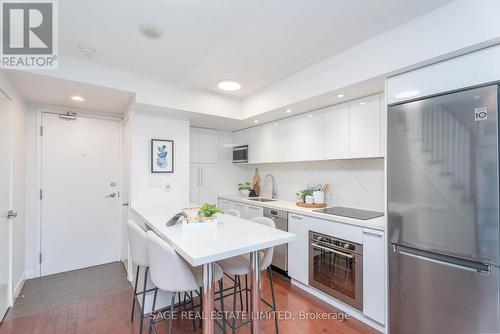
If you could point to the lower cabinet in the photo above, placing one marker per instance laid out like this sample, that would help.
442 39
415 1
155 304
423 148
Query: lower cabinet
225 205
252 212
298 250
374 274
246 211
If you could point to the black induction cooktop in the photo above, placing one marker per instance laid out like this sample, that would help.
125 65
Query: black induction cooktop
350 212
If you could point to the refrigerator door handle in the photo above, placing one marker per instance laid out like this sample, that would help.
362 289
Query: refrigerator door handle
450 261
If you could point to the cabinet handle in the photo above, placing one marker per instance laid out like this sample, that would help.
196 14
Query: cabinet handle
201 169
296 217
198 174
372 234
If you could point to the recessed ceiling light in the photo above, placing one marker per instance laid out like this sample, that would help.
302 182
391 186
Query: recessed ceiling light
256 121
276 124
407 94
77 98
310 115
340 95
288 111
362 103
86 50
150 31
229 85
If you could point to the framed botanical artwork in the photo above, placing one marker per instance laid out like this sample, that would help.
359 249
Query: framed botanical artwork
162 156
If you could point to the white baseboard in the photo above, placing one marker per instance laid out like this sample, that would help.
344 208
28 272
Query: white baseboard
18 287
341 306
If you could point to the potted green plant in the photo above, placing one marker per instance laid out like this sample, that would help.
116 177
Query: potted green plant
244 189
209 210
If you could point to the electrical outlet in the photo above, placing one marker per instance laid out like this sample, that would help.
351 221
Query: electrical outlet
167 187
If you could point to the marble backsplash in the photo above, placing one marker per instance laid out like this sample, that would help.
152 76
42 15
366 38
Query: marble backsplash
355 183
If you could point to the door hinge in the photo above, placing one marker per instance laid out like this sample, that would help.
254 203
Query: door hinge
40 257
41 194
41 130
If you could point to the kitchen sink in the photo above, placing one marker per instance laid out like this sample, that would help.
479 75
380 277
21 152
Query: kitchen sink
259 199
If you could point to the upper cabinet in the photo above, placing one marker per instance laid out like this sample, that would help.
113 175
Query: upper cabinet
365 128
311 136
204 146
345 131
336 128
287 140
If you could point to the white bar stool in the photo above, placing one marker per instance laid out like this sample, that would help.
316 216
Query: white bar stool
170 273
138 249
240 265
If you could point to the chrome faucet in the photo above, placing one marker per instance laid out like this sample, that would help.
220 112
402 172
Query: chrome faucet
274 193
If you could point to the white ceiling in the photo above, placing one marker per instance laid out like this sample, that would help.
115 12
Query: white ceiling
255 42
47 90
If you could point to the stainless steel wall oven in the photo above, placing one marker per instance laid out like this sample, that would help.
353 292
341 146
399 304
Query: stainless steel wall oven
336 267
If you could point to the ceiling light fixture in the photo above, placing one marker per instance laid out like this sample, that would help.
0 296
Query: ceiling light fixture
86 50
77 98
407 94
229 85
310 115
362 103
256 121
276 124
340 95
150 31
288 111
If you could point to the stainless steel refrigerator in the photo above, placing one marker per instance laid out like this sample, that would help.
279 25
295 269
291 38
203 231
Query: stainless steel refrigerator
443 214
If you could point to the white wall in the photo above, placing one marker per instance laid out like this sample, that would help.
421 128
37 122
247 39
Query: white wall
458 26
147 188
355 183
18 120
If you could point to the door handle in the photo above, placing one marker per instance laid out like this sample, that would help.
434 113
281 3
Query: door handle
9 215
112 195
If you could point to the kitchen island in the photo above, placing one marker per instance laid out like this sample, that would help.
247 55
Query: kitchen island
204 246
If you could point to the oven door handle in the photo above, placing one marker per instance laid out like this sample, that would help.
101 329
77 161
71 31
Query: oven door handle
331 250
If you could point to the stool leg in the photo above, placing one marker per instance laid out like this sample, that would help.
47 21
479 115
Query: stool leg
273 297
234 303
144 298
221 292
246 292
135 294
151 321
194 313
241 293
171 320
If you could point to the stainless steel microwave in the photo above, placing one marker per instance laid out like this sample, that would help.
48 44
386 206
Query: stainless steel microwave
240 154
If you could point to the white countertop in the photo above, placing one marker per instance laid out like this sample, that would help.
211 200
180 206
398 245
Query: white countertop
291 207
232 237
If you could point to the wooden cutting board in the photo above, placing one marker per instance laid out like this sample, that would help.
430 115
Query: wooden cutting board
311 206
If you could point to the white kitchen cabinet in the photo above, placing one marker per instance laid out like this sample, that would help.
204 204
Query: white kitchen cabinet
287 139
336 129
241 208
374 274
298 251
203 146
266 143
311 136
365 127
383 125
252 211
203 184
225 205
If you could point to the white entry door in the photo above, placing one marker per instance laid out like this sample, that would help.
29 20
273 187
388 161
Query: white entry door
5 205
80 225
